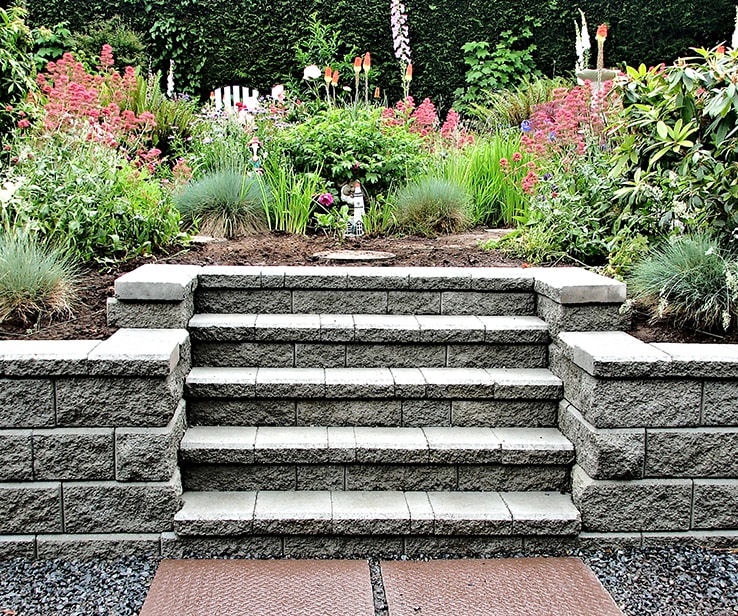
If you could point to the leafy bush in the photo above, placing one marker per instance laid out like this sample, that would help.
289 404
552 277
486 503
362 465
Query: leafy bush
679 144
224 204
353 144
432 206
127 44
36 282
90 199
689 281
17 66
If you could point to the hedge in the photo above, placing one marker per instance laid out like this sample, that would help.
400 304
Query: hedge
251 41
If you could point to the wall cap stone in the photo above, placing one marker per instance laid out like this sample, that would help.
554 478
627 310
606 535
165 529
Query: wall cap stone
701 360
157 282
574 285
45 357
147 352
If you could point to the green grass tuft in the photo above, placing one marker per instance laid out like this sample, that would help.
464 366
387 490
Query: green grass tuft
431 206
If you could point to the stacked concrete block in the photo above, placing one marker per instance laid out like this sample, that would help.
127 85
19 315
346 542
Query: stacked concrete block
655 431
89 432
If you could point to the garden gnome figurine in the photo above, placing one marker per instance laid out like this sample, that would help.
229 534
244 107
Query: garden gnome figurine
255 144
355 226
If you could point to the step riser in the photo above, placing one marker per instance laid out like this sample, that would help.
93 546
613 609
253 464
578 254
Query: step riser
286 301
311 355
431 477
390 412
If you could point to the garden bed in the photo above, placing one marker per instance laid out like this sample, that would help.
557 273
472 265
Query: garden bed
89 321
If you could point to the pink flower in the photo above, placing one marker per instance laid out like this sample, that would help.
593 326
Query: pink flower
326 199
517 157
23 124
504 162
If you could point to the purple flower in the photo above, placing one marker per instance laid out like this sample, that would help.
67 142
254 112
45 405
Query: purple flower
526 126
325 199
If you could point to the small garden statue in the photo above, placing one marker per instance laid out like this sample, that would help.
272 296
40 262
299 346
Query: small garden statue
355 226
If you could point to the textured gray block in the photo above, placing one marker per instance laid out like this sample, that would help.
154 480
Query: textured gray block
439 277
248 301
367 277
446 383
230 477
336 327
396 355
697 452
507 478
402 328
241 412
150 315
342 302
720 403
710 539
364 513
414 302
284 445
470 513
513 384
488 303
157 282
359 383
288 383
425 412
110 507
229 354
216 327
638 505
16 455
320 477
44 358
333 546
503 413
248 546
287 327
501 279
715 504
542 513
349 412
230 277
450 328
117 401
73 454
604 454
26 403
293 512
321 277
30 508
497 356
17 546
400 477
581 318
701 360
205 382
320 355
626 402
149 454
464 546
98 546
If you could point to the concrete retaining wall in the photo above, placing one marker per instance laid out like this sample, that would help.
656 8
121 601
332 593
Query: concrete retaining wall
655 427
89 432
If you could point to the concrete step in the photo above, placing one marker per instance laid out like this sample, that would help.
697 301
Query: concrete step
346 458
388 513
378 290
372 396
368 340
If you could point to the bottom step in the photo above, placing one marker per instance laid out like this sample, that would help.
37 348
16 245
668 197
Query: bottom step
376 513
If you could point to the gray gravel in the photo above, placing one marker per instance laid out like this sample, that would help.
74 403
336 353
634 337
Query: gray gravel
674 581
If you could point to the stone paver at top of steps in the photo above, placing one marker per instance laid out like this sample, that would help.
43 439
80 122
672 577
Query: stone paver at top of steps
266 588
495 587
376 512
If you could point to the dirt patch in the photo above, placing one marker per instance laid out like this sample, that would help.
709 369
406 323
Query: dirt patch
89 321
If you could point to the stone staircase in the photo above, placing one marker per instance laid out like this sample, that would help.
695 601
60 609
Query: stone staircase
346 410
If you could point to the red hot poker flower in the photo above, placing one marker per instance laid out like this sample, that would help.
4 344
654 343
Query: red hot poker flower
601 32
367 64
357 65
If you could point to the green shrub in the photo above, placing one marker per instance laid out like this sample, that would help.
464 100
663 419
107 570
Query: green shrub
495 188
431 206
291 196
689 281
90 199
224 204
128 46
17 66
353 144
36 282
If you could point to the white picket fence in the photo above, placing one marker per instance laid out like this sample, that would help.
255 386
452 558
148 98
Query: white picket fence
228 97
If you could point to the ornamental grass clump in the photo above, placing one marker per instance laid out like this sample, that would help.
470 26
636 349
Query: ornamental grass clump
36 282
224 204
690 282
433 206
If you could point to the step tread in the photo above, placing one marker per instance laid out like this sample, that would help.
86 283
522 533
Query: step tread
386 512
369 328
497 383
379 278
321 445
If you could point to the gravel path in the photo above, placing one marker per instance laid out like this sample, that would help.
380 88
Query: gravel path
673 581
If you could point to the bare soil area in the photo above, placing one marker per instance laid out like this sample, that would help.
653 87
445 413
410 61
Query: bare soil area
89 320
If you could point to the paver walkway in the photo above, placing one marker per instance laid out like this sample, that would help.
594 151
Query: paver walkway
509 587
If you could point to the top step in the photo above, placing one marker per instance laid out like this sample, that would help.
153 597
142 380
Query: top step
368 290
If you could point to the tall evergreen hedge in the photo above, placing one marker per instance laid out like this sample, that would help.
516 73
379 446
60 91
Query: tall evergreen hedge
251 41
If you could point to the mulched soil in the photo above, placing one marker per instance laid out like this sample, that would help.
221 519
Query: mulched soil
89 321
